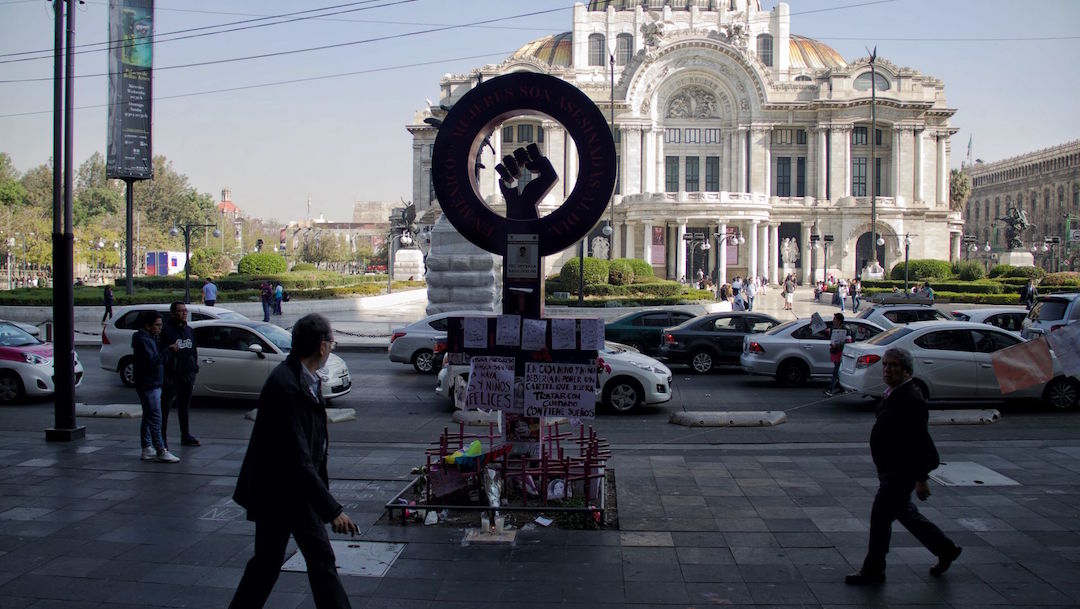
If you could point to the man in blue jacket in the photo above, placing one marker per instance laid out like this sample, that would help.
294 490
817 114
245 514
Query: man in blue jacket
283 481
149 368
180 373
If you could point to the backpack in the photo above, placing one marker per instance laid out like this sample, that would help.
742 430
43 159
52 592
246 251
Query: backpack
285 297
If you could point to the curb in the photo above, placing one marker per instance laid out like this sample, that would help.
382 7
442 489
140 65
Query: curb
964 417
764 418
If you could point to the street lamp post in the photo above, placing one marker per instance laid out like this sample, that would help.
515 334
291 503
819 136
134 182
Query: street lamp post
907 249
695 240
735 238
186 230
873 167
828 241
611 212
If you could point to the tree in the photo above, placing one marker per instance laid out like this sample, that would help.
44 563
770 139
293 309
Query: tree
95 195
38 185
12 192
208 262
959 189
169 200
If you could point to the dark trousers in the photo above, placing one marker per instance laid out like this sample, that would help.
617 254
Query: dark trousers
177 393
271 538
108 313
266 306
893 502
834 384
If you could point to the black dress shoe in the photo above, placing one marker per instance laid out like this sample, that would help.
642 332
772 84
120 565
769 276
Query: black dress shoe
189 441
945 561
861 578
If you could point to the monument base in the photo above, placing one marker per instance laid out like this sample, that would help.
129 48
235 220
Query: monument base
1016 258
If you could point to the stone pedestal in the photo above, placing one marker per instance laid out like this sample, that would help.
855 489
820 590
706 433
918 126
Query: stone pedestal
460 275
408 263
1016 258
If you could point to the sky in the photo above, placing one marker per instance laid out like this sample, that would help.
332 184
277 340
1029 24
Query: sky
336 133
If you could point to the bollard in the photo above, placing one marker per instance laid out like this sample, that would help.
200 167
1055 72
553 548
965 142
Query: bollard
48 331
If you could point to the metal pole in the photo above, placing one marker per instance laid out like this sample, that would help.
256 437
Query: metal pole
611 216
129 252
390 263
187 261
873 153
907 248
581 272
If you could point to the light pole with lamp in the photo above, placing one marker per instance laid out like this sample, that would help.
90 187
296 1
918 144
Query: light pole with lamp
606 231
828 241
734 238
404 238
186 230
907 249
694 241
611 203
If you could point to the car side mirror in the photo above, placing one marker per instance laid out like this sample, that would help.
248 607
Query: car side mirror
257 350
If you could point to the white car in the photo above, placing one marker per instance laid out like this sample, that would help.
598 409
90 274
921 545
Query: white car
892 315
26 365
1006 318
236 357
115 354
635 380
794 354
415 343
951 362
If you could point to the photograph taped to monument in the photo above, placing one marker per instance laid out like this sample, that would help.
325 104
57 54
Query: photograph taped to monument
487 106
522 256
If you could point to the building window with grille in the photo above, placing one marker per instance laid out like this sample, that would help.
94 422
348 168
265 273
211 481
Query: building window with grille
508 134
877 137
877 177
800 137
1046 199
800 177
712 136
712 174
624 49
618 174
539 134
858 177
693 136
764 49
672 135
783 176
858 136
525 133
597 50
693 174
671 174
782 136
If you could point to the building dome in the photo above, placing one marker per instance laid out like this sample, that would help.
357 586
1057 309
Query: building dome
807 53
553 50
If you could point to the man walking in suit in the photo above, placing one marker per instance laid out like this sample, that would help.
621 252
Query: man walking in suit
283 481
904 455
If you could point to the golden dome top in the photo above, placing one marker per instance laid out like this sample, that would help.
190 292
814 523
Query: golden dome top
807 53
553 50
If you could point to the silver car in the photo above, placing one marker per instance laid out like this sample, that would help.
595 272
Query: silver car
794 354
236 357
892 315
1006 318
415 343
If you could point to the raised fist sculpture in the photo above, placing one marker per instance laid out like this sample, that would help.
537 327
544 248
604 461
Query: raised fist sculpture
522 206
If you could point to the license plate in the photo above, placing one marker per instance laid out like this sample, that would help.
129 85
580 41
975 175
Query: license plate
848 365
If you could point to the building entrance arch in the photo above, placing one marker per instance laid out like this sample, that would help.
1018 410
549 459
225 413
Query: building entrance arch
863 253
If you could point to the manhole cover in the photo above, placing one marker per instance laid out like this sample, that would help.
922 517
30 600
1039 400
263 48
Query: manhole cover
367 558
968 473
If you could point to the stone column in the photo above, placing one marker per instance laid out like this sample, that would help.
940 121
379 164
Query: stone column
631 159
774 253
752 259
615 240
906 164
804 251
822 165
648 165
920 193
954 246
646 244
743 186
894 165
658 170
721 254
570 170
758 174
942 173
629 252
763 253
768 162
725 160
680 250
839 162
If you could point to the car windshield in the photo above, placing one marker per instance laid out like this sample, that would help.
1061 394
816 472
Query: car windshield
867 313
14 336
889 336
230 315
784 326
610 347
1050 309
281 339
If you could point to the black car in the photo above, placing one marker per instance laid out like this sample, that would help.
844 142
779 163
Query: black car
641 329
712 340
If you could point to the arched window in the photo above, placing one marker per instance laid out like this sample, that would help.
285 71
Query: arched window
764 49
803 78
624 49
597 50
862 83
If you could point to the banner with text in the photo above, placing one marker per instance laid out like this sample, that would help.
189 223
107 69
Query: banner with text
131 60
560 390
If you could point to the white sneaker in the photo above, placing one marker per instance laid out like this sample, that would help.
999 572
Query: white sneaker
164 456
148 453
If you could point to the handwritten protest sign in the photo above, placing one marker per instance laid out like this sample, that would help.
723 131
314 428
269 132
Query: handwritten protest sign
533 334
560 390
563 334
491 383
475 332
817 324
508 331
1066 346
592 333
1022 365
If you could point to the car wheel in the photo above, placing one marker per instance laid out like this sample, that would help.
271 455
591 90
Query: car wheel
701 362
922 390
11 387
127 371
1061 393
793 373
424 361
623 394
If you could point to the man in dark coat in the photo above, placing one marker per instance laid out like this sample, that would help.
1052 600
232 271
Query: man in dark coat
904 455
179 374
283 481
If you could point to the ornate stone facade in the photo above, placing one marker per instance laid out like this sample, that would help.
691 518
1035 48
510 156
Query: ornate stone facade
727 123
1044 184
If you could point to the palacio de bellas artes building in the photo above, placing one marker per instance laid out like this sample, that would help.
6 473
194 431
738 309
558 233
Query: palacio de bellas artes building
731 129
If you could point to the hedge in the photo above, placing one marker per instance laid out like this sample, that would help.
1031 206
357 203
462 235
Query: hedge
641 269
596 272
664 289
968 287
968 270
920 269
1030 272
261 263
302 266
998 270
620 273
1069 278
92 295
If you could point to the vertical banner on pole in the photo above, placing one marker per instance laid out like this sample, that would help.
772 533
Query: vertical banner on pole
131 59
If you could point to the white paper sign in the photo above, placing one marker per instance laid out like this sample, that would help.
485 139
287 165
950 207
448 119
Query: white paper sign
1065 344
491 383
475 332
560 390
564 334
533 334
508 331
837 336
817 324
592 333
